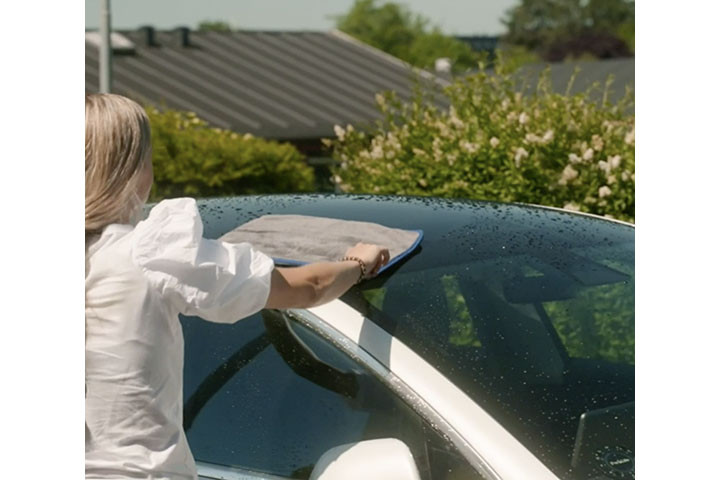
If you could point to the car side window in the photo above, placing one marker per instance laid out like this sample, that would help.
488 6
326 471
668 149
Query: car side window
264 397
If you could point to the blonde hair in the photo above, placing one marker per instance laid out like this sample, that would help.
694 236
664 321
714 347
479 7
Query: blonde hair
117 145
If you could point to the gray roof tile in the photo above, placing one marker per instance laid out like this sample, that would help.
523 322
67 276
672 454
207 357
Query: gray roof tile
285 85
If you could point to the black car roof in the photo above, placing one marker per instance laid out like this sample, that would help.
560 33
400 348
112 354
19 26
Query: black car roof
455 231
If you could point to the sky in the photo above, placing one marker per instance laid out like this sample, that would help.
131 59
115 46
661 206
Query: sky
456 17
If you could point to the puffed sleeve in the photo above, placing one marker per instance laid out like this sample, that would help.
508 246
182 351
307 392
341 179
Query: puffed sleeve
218 281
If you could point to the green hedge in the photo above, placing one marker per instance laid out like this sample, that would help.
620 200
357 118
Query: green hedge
495 143
190 158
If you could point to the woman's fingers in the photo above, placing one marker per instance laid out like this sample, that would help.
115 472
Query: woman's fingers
382 259
374 256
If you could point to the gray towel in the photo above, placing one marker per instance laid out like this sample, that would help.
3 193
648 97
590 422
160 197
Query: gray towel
298 239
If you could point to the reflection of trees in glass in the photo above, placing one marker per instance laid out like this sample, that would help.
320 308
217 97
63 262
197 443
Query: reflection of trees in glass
462 331
598 323
375 297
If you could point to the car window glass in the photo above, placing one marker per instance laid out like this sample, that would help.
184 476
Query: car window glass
324 350
539 336
598 323
260 413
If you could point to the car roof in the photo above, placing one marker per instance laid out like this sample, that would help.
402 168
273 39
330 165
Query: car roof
455 231
397 211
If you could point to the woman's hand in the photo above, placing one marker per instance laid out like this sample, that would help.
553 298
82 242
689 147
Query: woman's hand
318 283
374 256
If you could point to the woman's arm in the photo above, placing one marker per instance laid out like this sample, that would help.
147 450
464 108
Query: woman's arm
318 283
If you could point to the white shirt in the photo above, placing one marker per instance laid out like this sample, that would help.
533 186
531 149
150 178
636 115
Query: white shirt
137 282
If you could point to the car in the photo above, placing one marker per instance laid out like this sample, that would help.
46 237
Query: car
502 347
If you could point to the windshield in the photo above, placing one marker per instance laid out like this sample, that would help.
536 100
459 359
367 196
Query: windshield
538 330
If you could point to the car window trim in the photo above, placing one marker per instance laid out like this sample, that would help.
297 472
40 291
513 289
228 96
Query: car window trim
222 472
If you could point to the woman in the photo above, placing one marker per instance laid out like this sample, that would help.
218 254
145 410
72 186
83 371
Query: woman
139 278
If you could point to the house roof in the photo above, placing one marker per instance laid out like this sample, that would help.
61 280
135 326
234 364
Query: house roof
283 85
589 72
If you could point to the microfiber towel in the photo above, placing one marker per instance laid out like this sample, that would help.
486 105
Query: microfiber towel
300 239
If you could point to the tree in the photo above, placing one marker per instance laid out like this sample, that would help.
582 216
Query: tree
571 28
191 158
214 26
497 143
394 29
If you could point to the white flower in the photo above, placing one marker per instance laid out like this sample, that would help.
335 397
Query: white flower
625 176
630 137
377 152
568 174
523 118
339 132
572 207
336 179
604 191
392 143
597 142
469 147
614 161
505 104
520 153
611 179
454 119
380 99
532 138
604 166
444 130
574 158
494 142
457 123
548 136
588 155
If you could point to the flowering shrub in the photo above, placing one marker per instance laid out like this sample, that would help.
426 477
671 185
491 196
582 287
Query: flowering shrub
495 143
191 158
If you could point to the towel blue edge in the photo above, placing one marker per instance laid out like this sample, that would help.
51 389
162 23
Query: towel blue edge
408 251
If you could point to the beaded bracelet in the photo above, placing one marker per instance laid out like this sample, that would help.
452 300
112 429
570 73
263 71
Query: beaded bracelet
363 269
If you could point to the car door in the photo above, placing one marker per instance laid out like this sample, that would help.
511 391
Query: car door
265 397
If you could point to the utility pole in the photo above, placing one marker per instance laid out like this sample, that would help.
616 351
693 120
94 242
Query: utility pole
105 48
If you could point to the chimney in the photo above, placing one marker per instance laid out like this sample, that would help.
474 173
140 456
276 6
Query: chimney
183 36
148 32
